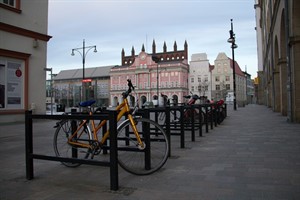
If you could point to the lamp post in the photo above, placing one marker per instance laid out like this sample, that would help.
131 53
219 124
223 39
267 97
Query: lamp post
83 54
233 46
156 60
51 89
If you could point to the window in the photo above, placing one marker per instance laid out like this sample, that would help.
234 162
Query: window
227 78
199 79
205 78
11 3
217 78
218 87
192 80
192 88
227 86
11 84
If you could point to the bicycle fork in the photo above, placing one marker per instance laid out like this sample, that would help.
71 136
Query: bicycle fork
141 145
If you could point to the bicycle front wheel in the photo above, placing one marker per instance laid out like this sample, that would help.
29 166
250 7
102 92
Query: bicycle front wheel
61 146
142 161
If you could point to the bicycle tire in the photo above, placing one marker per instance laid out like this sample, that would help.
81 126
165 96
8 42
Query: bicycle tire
63 149
131 158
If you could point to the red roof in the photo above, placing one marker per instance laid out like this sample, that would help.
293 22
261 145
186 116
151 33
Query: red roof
237 67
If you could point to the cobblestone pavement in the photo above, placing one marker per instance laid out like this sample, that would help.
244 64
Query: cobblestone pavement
253 154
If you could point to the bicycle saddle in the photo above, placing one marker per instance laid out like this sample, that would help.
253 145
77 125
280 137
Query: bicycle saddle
87 103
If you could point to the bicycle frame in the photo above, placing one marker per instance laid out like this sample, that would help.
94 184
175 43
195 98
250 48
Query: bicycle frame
124 110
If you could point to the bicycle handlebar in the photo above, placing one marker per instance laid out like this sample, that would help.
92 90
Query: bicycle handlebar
130 88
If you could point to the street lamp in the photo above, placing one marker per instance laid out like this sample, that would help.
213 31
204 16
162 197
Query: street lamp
233 46
83 55
51 89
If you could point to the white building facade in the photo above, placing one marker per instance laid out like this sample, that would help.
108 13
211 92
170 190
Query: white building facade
23 36
200 76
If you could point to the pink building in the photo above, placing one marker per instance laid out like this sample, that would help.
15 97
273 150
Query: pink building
153 75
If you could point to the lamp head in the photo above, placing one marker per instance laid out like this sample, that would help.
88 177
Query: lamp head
95 50
234 46
230 40
72 54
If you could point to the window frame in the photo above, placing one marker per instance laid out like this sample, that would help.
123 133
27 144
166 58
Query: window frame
24 58
16 8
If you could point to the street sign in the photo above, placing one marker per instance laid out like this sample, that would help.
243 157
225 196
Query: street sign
87 80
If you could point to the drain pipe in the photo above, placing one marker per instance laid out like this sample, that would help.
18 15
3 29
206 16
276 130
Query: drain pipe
290 117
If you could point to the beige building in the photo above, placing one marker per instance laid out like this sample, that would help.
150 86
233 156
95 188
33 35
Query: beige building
23 37
222 79
216 81
278 38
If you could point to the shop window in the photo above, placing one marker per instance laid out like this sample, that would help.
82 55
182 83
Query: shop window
11 84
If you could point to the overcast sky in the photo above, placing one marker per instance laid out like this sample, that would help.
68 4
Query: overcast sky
115 24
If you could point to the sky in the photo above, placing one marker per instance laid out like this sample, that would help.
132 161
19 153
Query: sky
113 25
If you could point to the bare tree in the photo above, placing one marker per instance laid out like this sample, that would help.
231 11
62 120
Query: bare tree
203 87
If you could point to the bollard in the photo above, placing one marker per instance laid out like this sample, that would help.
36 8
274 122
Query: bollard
114 173
200 120
29 144
206 118
74 128
182 137
168 132
192 111
146 131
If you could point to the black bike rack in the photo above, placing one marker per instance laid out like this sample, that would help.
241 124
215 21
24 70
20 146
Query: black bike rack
211 114
112 163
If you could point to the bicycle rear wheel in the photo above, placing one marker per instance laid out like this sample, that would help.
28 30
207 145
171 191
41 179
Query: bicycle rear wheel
61 146
133 159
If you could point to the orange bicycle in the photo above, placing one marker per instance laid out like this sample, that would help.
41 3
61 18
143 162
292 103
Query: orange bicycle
86 143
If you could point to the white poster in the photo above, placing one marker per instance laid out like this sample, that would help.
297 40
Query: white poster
14 85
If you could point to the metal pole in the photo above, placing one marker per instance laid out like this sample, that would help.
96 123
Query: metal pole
83 72
232 48
51 90
234 85
83 55
157 86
